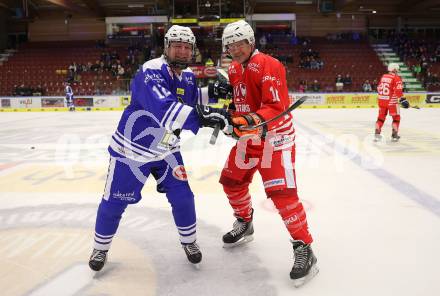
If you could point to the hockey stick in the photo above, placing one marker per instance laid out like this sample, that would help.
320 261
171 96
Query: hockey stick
292 107
214 135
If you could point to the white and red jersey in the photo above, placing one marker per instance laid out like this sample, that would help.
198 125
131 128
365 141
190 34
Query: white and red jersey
389 89
261 87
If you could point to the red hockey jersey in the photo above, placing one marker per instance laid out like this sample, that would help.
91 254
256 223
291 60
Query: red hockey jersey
261 87
389 89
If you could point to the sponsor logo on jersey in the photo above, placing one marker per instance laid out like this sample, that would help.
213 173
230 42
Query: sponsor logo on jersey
127 196
242 108
179 173
271 78
279 140
291 220
274 182
180 91
190 80
153 77
254 67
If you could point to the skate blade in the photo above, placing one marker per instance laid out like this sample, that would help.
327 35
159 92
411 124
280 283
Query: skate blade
196 266
302 281
241 241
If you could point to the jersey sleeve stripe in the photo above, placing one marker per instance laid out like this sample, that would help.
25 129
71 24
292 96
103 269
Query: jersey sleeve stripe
165 117
203 96
181 117
169 121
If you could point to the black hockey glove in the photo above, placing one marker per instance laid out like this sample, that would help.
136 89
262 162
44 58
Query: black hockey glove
404 103
211 117
219 90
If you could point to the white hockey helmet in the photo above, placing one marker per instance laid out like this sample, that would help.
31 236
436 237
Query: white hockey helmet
237 31
179 34
393 67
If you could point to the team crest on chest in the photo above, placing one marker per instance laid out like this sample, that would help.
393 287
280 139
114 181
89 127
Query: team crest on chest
240 92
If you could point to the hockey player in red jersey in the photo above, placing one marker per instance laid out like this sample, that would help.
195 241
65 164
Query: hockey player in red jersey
390 91
259 94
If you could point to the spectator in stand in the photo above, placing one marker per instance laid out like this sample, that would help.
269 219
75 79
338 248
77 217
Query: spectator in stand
96 66
374 84
314 64
366 87
302 86
339 83
121 71
316 87
263 42
347 81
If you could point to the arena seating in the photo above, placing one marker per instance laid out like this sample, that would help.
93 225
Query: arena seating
45 64
340 57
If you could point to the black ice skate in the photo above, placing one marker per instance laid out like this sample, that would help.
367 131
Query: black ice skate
241 233
394 136
304 267
97 259
192 252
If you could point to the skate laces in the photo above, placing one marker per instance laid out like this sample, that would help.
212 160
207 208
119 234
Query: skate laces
301 256
98 255
239 227
192 248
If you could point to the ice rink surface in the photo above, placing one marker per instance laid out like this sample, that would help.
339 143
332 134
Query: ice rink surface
373 209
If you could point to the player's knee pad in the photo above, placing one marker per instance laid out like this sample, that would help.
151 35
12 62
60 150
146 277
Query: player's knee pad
111 209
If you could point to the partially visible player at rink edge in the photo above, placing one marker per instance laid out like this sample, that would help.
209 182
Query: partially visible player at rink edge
69 96
165 99
260 93
390 94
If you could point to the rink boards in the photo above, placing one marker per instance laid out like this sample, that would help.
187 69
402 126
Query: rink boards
116 103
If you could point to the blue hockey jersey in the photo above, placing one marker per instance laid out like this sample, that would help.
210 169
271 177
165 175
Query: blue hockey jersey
161 105
69 91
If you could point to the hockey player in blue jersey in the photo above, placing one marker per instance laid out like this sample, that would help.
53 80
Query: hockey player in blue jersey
165 99
69 97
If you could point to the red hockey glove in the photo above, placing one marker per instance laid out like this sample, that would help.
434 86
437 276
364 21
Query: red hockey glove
247 120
